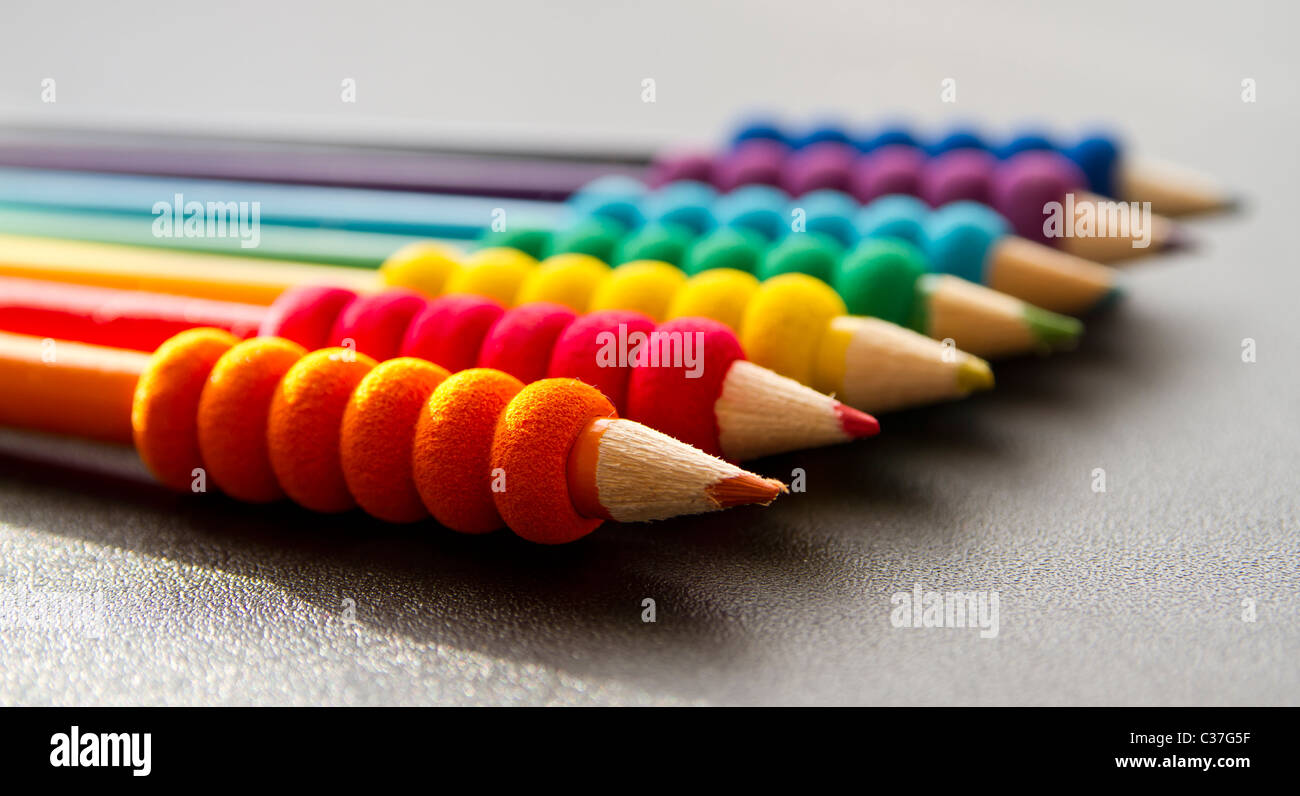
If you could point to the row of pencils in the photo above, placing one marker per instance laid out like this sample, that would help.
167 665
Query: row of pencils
539 340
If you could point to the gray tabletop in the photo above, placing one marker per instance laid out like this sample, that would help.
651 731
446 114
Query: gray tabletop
116 592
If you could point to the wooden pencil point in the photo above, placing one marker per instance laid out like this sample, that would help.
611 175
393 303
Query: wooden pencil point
992 324
641 474
1113 239
1172 190
762 413
1049 278
889 367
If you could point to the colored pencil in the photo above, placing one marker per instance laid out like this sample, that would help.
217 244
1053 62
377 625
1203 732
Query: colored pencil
1037 274
964 239
548 173
1107 167
274 242
971 310
1022 188
1029 182
341 432
867 363
165 202
746 413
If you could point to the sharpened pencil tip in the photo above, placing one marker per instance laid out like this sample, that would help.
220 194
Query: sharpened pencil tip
1177 240
974 374
856 423
1108 301
745 489
1052 329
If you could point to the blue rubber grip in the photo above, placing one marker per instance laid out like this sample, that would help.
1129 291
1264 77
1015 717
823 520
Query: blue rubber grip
895 216
959 236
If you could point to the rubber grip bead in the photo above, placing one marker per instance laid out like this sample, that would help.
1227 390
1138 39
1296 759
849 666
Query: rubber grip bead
568 279
963 175
686 203
376 324
535 243
614 197
759 208
960 237
626 212
496 273
679 377
818 167
531 448
660 241
725 247
451 452
828 131
1027 183
829 213
306 314
233 412
957 140
646 286
894 216
784 324
808 253
165 408
598 348
1025 141
878 279
450 330
304 424
423 267
521 342
377 437
722 294
755 162
898 135
760 128
1098 157
596 237
887 170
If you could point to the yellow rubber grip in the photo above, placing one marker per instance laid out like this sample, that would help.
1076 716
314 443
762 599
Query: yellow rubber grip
496 273
568 279
646 286
721 294
422 267
785 323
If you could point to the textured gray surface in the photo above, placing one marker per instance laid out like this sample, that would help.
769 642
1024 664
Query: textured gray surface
1133 596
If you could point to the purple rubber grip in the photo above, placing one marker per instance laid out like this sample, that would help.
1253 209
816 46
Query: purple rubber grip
889 170
1024 184
817 167
680 166
755 162
959 175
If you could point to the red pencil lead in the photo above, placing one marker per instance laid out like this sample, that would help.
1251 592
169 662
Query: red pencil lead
856 423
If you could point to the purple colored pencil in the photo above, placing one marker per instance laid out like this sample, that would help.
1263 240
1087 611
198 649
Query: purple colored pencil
476 174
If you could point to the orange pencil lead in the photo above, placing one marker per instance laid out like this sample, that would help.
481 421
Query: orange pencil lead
745 489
